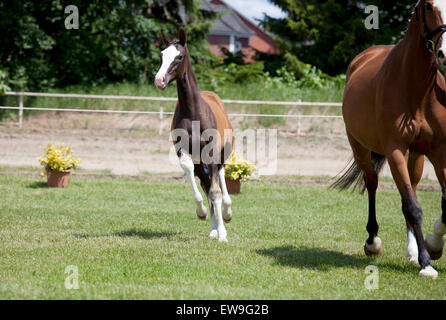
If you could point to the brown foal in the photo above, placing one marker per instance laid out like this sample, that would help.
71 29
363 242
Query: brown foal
200 123
394 108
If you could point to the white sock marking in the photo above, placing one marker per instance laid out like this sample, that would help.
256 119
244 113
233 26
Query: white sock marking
227 212
412 247
187 165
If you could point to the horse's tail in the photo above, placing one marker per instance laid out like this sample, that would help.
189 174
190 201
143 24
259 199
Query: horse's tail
355 176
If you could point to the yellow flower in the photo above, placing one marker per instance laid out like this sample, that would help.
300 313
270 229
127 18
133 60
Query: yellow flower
238 168
58 158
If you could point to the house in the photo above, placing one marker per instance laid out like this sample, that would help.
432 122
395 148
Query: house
236 33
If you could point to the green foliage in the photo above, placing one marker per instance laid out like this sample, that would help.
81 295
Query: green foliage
330 33
3 82
309 77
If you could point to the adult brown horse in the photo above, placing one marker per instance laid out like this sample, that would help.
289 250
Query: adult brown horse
394 108
200 124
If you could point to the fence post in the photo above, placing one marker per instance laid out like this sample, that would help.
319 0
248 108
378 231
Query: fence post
298 125
161 118
20 109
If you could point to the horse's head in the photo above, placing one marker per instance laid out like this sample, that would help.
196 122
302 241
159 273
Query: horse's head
172 60
432 15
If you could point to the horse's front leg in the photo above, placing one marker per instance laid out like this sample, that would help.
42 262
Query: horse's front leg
187 165
415 166
434 242
398 161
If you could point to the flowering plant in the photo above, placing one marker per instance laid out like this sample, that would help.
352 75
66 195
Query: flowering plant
237 168
58 158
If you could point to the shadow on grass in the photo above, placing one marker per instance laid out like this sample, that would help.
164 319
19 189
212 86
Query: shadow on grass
144 234
324 259
313 258
38 185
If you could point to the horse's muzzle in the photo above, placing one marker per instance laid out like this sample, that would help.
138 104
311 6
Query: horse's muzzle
160 83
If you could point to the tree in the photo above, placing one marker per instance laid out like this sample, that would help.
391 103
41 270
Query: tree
117 40
330 33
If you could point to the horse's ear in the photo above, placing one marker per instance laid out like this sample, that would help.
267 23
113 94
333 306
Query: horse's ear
165 39
183 37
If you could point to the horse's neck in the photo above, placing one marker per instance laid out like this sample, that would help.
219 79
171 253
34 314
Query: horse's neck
418 70
188 94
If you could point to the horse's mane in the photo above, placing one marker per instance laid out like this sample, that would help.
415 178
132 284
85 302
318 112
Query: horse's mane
413 12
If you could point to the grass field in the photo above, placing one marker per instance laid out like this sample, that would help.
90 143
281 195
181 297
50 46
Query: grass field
140 239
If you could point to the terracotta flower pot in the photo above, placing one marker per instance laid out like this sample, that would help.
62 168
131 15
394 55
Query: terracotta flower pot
233 186
58 179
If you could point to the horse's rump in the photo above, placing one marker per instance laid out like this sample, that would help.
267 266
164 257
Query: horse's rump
218 109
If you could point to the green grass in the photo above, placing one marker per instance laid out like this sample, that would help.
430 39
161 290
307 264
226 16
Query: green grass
135 239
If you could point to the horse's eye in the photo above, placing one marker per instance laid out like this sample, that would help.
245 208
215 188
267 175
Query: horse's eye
180 58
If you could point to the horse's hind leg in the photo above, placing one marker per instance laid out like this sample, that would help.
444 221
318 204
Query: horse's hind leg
187 165
415 166
227 211
215 198
373 244
363 159
205 180
214 224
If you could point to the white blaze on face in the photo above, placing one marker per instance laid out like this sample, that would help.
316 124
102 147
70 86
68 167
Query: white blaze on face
441 6
168 56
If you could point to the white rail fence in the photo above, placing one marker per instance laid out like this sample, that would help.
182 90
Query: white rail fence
161 100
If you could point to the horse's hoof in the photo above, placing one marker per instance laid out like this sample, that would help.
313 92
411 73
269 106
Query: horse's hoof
213 234
202 213
222 235
374 249
429 272
414 261
227 215
434 245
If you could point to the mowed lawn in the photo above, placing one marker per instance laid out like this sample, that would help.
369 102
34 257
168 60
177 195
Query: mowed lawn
140 239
